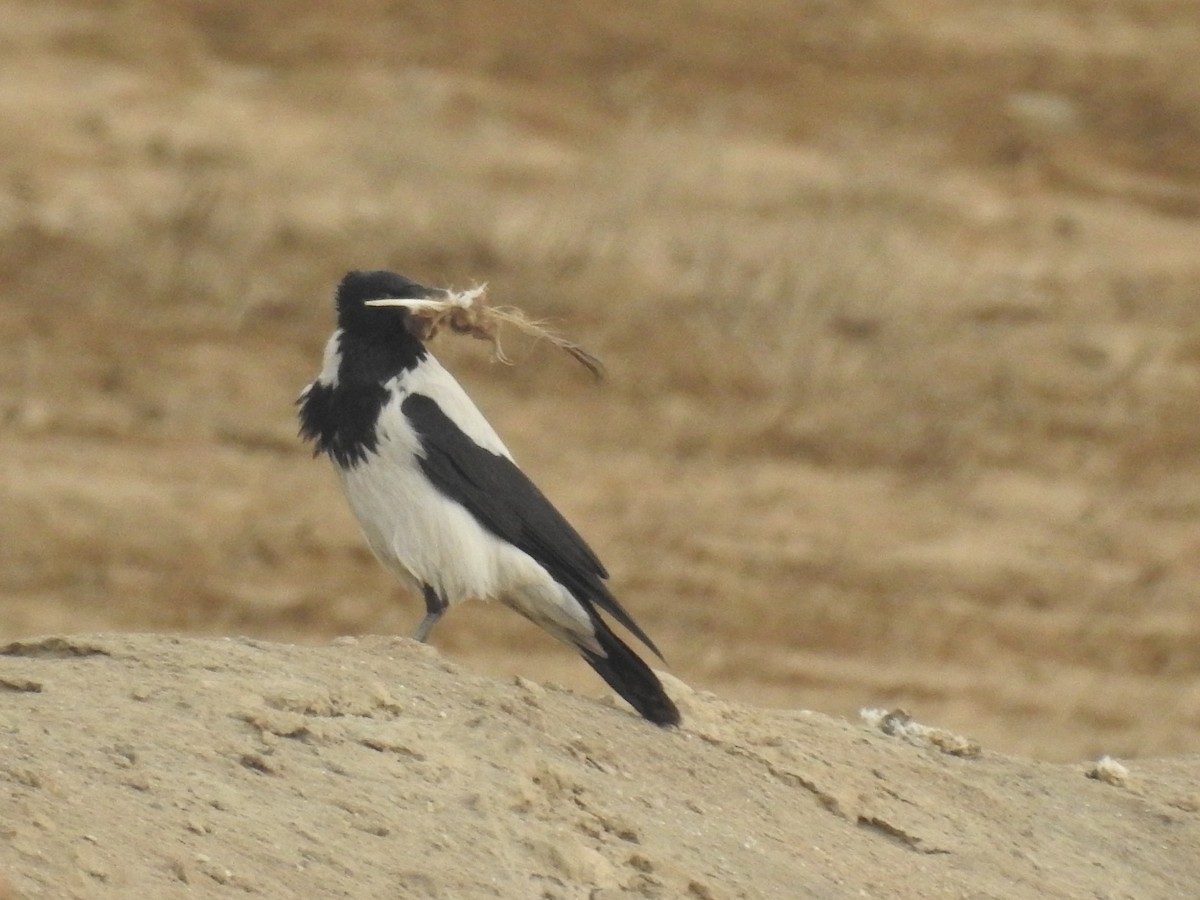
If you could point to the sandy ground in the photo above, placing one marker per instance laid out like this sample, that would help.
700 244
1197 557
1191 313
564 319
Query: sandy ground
900 303
375 768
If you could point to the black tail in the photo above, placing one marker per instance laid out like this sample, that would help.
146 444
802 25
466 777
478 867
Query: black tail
630 677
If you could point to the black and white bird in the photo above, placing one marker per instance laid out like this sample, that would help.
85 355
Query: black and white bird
438 496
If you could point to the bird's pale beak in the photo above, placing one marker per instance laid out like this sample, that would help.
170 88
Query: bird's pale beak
413 304
422 324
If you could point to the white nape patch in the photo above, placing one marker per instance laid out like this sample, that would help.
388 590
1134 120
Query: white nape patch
332 360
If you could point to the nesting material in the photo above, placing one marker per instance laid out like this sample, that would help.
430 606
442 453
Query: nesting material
468 312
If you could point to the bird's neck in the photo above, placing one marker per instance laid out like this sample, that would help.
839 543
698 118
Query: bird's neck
340 410
375 359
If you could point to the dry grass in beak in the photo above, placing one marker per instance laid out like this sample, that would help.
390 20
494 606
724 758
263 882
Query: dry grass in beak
468 312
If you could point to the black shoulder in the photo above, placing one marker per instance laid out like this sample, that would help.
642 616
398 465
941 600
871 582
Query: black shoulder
503 500
499 495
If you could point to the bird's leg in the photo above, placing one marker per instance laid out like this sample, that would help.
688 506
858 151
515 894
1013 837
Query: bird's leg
435 605
426 626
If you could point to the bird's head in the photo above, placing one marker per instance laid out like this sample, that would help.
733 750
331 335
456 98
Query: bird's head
383 304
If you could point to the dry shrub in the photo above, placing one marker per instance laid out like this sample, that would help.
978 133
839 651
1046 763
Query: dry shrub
821 303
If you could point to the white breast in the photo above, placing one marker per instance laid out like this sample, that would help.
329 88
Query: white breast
415 531
431 379
426 538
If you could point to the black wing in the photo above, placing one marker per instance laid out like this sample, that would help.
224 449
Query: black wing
503 500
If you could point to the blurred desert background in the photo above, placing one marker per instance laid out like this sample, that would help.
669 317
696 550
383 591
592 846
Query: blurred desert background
900 303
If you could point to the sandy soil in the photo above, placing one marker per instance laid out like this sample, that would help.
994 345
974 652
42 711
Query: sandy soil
374 768
900 303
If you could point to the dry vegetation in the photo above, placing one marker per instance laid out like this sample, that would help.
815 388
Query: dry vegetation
900 303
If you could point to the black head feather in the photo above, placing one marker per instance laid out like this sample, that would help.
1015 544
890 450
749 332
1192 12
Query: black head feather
375 344
356 288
